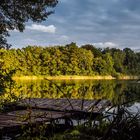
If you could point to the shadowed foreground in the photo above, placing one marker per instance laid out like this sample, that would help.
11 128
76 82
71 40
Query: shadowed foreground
46 111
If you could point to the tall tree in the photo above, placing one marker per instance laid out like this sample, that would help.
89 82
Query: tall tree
96 51
15 13
130 61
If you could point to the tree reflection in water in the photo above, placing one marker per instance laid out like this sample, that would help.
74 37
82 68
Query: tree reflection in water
115 91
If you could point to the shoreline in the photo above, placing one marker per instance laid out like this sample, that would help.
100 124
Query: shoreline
76 77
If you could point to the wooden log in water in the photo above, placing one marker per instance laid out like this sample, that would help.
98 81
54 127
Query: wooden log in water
15 121
63 104
42 111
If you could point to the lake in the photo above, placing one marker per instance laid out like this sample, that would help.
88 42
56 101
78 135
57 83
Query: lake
117 91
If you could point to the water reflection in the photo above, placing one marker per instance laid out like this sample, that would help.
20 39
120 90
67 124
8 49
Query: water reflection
116 91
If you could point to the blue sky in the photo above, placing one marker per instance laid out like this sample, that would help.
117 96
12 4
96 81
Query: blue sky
104 23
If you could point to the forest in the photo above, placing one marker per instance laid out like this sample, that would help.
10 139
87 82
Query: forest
70 60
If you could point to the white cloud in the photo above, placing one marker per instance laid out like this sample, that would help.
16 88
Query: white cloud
15 30
42 28
63 39
105 44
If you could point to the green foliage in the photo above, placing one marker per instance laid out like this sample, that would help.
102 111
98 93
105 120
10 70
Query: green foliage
70 60
7 85
100 66
131 61
96 51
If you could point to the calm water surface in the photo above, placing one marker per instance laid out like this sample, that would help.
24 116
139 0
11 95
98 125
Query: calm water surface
113 90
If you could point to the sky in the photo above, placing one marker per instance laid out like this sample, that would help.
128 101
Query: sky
103 23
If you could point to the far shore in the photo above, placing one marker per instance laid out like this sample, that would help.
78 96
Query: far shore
75 77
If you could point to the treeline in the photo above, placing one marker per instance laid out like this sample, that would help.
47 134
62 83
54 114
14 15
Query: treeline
70 60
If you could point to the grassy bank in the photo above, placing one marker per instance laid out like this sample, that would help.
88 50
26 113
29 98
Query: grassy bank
75 77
